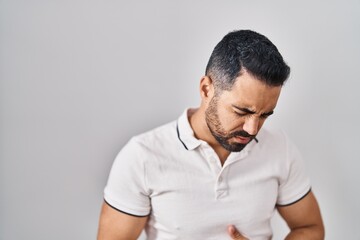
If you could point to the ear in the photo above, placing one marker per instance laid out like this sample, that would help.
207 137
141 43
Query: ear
206 88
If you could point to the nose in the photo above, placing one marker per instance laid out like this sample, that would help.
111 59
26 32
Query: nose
251 125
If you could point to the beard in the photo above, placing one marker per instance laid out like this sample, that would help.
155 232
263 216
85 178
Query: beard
219 133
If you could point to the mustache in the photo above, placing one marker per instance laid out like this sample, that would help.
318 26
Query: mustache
241 133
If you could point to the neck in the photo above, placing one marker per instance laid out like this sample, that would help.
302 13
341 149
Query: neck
201 131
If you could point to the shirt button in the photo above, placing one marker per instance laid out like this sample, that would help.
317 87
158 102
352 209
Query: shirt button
220 179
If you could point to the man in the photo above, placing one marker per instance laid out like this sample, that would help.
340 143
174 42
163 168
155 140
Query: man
213 174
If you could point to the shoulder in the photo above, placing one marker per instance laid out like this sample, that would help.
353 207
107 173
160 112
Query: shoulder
158 138
145 145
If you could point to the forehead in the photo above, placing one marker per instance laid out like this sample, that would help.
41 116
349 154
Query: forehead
252 93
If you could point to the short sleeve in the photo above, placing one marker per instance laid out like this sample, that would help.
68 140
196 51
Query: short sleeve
126 188
296 183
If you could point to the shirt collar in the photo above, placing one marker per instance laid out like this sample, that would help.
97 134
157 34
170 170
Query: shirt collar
185 132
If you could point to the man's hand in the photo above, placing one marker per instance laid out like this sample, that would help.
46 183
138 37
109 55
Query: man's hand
234 233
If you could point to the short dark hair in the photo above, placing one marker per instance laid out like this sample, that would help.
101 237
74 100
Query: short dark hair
246 50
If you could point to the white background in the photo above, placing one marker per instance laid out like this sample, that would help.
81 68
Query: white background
79 78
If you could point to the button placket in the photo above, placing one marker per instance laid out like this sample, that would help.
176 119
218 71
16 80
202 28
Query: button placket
212 159
221 187
220 172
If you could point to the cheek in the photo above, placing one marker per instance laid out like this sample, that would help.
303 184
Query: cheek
232 123
226 120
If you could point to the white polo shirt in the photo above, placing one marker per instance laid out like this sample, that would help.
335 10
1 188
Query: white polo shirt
179 182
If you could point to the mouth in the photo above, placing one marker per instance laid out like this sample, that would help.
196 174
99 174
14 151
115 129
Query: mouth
242 140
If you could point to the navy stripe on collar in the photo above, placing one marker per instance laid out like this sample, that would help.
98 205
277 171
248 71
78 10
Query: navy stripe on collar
178 134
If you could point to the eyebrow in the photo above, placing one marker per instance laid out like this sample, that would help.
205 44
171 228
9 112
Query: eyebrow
246 110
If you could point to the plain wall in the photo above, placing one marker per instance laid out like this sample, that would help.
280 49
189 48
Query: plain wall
79 78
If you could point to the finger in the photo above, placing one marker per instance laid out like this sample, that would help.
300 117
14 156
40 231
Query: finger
235 234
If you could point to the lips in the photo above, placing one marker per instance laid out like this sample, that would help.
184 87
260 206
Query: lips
242 140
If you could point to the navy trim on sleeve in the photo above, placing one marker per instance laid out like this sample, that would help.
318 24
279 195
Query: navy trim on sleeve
133 215
285 205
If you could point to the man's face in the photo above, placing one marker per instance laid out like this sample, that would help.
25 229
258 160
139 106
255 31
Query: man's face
235 117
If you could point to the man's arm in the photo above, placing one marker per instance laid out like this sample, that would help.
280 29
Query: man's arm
304 219
115 225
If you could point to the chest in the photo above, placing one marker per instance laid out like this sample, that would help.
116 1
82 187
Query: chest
197 197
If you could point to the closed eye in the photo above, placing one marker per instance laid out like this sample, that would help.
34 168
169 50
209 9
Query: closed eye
241 114
265 115
245 111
